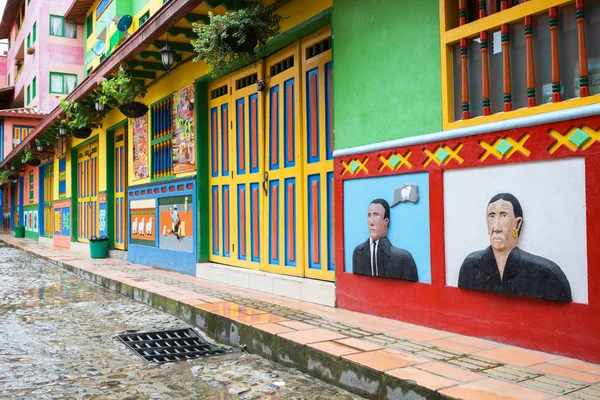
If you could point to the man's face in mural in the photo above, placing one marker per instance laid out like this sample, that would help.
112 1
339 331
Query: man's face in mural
503 226
378 225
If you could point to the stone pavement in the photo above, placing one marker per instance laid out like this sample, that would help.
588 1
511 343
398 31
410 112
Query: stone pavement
371 356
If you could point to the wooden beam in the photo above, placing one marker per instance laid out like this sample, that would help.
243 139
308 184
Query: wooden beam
156 55
177 46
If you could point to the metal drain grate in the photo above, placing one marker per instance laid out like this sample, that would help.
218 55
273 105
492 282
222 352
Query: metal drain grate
168 346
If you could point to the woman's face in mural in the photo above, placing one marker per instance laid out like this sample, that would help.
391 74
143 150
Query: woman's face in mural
378 225
503 227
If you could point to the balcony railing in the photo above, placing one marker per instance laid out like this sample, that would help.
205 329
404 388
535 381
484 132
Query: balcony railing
518 59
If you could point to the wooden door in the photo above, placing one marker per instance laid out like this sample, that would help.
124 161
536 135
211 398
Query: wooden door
283 230
120 185
48 197
87 192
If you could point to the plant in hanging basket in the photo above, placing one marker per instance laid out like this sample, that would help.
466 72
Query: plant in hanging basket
81 133
229 40
133 109
30 158
81 117
122 90
31 50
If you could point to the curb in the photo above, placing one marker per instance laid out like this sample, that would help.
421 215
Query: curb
355 378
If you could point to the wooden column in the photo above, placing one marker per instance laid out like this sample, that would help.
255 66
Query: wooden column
556 85
485 74
584 84
462 13
507 85
531 102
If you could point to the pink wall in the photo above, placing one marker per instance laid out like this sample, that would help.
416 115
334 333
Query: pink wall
8 130
52 53
2 71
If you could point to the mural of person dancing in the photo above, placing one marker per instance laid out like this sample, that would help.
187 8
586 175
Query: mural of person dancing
506 269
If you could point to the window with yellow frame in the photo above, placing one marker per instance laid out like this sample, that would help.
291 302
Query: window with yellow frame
507 58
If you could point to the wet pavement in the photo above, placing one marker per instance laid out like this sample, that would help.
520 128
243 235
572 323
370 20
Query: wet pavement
57 341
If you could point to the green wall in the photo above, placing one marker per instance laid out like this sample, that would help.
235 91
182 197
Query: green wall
387 81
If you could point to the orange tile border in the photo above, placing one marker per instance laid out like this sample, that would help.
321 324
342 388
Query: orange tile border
577 365
379 326
446 344
311 336
450 371
334 348
387 359
516 356
420 334
359 344
297 325
473 342
567 372
493 389
422 378
254 319
273 328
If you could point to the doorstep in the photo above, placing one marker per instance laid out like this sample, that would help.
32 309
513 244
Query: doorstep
311 290
374 357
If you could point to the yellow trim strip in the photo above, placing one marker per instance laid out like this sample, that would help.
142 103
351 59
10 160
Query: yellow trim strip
493 21
524 112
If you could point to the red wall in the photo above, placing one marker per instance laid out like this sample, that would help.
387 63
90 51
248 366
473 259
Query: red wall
570 329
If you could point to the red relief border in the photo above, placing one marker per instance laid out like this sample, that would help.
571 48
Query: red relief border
528 144
568 329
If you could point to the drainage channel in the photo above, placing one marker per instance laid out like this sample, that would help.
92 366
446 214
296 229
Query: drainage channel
169 345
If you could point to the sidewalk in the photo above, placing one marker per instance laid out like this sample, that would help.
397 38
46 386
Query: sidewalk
374 357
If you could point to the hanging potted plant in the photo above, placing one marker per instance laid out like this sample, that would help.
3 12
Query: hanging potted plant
229 40
80 117
123 90
30 158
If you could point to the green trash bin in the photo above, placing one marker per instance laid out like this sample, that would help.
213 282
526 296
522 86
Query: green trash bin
19 231
99 247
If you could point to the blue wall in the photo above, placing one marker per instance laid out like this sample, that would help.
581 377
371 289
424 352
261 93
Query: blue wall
409 222
184 262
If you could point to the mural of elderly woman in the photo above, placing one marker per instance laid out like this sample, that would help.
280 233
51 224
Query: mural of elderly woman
506 269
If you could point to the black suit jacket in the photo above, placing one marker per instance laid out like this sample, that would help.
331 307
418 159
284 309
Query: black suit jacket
525 274
392 262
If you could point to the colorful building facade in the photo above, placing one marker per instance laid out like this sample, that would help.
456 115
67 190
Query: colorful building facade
456 191
486 156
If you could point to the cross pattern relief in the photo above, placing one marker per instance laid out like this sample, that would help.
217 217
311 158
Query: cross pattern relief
355 166
574 139
505 147
395 161
443 155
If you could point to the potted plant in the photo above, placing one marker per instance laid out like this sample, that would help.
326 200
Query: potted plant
122 90
31 50
80 117
30 158
229 40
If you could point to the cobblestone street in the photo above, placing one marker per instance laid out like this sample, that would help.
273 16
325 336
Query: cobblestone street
57 340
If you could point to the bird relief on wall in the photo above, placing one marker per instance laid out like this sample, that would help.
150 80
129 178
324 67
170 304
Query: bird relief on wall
143 221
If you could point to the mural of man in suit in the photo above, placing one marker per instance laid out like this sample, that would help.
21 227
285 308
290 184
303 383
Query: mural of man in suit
377 256
506 269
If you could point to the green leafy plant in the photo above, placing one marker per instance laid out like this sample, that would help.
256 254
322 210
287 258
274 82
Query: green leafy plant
120 88
7 176
80 114
229 40
27 155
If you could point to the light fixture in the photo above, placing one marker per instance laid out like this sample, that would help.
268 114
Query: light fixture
38 145
167 55
62 130
99 105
